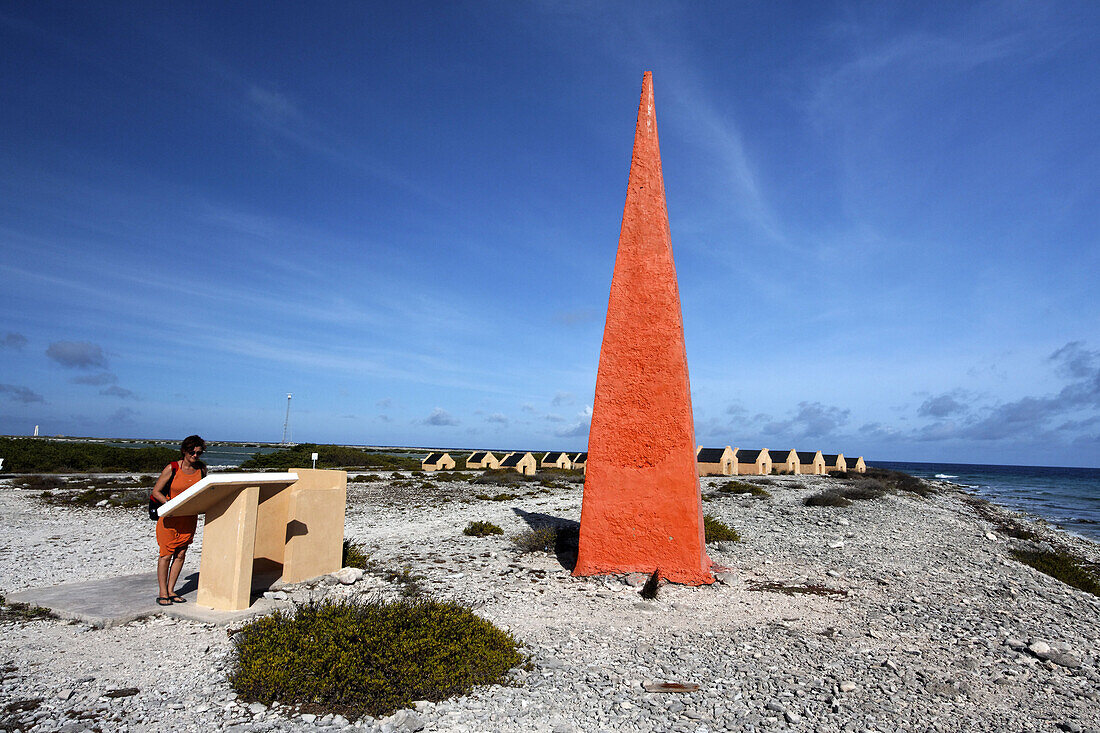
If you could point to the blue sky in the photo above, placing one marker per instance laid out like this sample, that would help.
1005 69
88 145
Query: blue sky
884 218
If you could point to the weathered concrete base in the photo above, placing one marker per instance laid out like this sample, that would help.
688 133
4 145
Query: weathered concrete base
114 601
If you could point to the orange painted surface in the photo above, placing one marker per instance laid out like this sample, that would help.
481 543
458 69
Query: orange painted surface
641 509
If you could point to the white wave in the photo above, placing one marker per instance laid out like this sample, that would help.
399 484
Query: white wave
945 475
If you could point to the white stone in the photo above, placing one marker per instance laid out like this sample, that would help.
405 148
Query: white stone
348 576
847 686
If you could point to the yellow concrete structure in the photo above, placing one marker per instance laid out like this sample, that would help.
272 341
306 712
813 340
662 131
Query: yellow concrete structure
524 463
835 462
579 460
784 461
438 462
483 460
715 461
556 459
290 525
856 465
811 462
752 462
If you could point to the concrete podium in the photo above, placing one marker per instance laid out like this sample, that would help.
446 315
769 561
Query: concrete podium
290 522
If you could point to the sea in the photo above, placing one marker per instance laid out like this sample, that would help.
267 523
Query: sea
1066 497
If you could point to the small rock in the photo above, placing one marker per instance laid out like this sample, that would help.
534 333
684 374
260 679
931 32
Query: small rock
64 694
307 718
256 708
726 578
1040 649
792 717
833 573
836 545
1064 659
348 576
843 522
775 706
990 536
563 727
102 502
847 686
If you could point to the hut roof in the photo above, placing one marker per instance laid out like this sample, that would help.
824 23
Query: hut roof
805 456
434 457
710 455
554 456
478 456
512 460
748 456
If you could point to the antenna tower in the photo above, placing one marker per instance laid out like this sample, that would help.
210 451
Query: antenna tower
286 423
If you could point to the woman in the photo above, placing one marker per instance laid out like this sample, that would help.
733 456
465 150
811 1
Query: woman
175 533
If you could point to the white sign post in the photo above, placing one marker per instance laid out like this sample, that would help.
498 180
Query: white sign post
315 460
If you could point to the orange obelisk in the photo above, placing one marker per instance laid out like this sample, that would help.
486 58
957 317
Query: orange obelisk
641 509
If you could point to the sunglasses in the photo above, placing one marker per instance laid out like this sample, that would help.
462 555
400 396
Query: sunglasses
196 452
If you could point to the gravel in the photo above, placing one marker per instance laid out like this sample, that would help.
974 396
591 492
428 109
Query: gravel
937 628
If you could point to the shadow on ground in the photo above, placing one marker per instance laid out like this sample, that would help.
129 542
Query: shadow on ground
567 534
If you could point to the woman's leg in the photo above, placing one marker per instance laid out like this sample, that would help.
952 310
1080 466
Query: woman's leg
162 574
177 559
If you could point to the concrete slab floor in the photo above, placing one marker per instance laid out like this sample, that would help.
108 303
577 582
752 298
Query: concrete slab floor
113 601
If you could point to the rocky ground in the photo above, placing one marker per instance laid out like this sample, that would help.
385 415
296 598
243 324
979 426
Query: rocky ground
933 626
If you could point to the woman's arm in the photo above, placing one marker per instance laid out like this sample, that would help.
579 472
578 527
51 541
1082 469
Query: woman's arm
161 486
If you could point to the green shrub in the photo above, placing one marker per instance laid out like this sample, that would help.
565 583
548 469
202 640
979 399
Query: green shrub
331 456
18 612
481 529
27 455
743 487
354 556
863 489
360 658
894 480
502 477
717 531
1062 566
537 539
827 498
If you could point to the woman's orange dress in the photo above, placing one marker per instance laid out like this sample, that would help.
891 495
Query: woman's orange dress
176 532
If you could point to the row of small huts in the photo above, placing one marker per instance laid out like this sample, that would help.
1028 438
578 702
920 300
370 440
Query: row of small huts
525 463
725 461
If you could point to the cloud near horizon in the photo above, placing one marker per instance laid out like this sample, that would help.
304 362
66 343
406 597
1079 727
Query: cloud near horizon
77 354
441 418
21 394
95 380
13 340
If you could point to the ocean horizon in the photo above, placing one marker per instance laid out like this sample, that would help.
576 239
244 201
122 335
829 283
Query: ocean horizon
1068 497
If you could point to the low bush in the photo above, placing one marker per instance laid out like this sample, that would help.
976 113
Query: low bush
331 456
537 539
827 498
717 531
864 489
481 529
1062 566
743 487
496 497
502 477
895 481
27 455
361 658
354 556
21 612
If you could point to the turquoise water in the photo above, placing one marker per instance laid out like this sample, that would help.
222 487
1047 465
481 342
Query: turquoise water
1067 497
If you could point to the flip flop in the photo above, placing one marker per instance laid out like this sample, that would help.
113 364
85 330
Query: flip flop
164 601
177 599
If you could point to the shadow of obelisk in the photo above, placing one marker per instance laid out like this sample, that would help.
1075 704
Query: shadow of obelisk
641 509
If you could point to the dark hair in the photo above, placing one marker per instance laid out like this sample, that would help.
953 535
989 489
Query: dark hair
190 443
